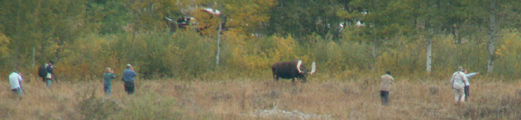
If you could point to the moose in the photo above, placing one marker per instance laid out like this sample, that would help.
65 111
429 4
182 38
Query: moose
291 70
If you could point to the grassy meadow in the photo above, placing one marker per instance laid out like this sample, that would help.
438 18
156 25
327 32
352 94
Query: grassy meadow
243 98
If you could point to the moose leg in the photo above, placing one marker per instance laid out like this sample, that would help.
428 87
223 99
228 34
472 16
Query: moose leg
276 78
293 80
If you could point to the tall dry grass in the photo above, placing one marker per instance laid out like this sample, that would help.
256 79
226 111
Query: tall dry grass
243 98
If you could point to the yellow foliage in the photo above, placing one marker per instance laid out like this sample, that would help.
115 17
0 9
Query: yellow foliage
249 54
4 41
509 43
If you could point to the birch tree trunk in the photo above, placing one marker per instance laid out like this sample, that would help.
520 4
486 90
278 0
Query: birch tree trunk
491 42
218 44
375 49
429 54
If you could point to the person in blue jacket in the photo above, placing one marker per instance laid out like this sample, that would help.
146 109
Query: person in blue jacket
128 78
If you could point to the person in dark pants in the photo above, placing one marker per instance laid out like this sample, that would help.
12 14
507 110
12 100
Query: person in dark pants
467 84
128 78
385 87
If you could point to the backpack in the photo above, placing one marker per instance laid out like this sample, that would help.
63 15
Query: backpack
42 72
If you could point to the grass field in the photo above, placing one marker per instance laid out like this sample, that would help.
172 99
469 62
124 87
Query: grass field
261 99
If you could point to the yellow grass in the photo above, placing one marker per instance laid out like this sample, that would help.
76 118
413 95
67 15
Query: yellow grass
243 98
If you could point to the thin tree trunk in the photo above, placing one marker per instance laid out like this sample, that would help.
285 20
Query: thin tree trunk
218 44
34 50
375 48
491 43
429 54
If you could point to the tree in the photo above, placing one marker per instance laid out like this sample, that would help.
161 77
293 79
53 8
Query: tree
492 40
305 17
379 23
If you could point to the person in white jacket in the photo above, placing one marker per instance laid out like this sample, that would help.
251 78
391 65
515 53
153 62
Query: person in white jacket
15 79
467 85
458 83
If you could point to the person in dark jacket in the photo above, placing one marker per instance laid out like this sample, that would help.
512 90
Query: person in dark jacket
49 67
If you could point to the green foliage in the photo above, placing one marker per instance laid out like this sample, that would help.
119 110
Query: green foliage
194 54
301 18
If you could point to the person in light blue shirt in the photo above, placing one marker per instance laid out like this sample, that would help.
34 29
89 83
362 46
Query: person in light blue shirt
107 82
467 85
128 78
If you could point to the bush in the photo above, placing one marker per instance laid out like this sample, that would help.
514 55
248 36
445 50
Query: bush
92 108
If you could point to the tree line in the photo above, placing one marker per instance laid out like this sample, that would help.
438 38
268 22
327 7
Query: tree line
350 37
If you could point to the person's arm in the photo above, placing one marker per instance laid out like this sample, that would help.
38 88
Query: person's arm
470 74
112 76
20 78
463 77
51 71
134 74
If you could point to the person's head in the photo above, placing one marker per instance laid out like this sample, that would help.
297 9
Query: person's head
108 69
129 66
460 68
51 62
388 72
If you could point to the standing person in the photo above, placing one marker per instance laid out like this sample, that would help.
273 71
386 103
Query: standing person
458 83
128 78
16 82
50 73
107 83
385 87
467 85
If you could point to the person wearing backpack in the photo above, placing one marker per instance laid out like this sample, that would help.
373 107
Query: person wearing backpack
49 73
458 83
42 72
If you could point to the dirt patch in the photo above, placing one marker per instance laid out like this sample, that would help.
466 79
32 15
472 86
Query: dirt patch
274 113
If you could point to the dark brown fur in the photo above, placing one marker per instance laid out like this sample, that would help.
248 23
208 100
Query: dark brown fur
288 70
